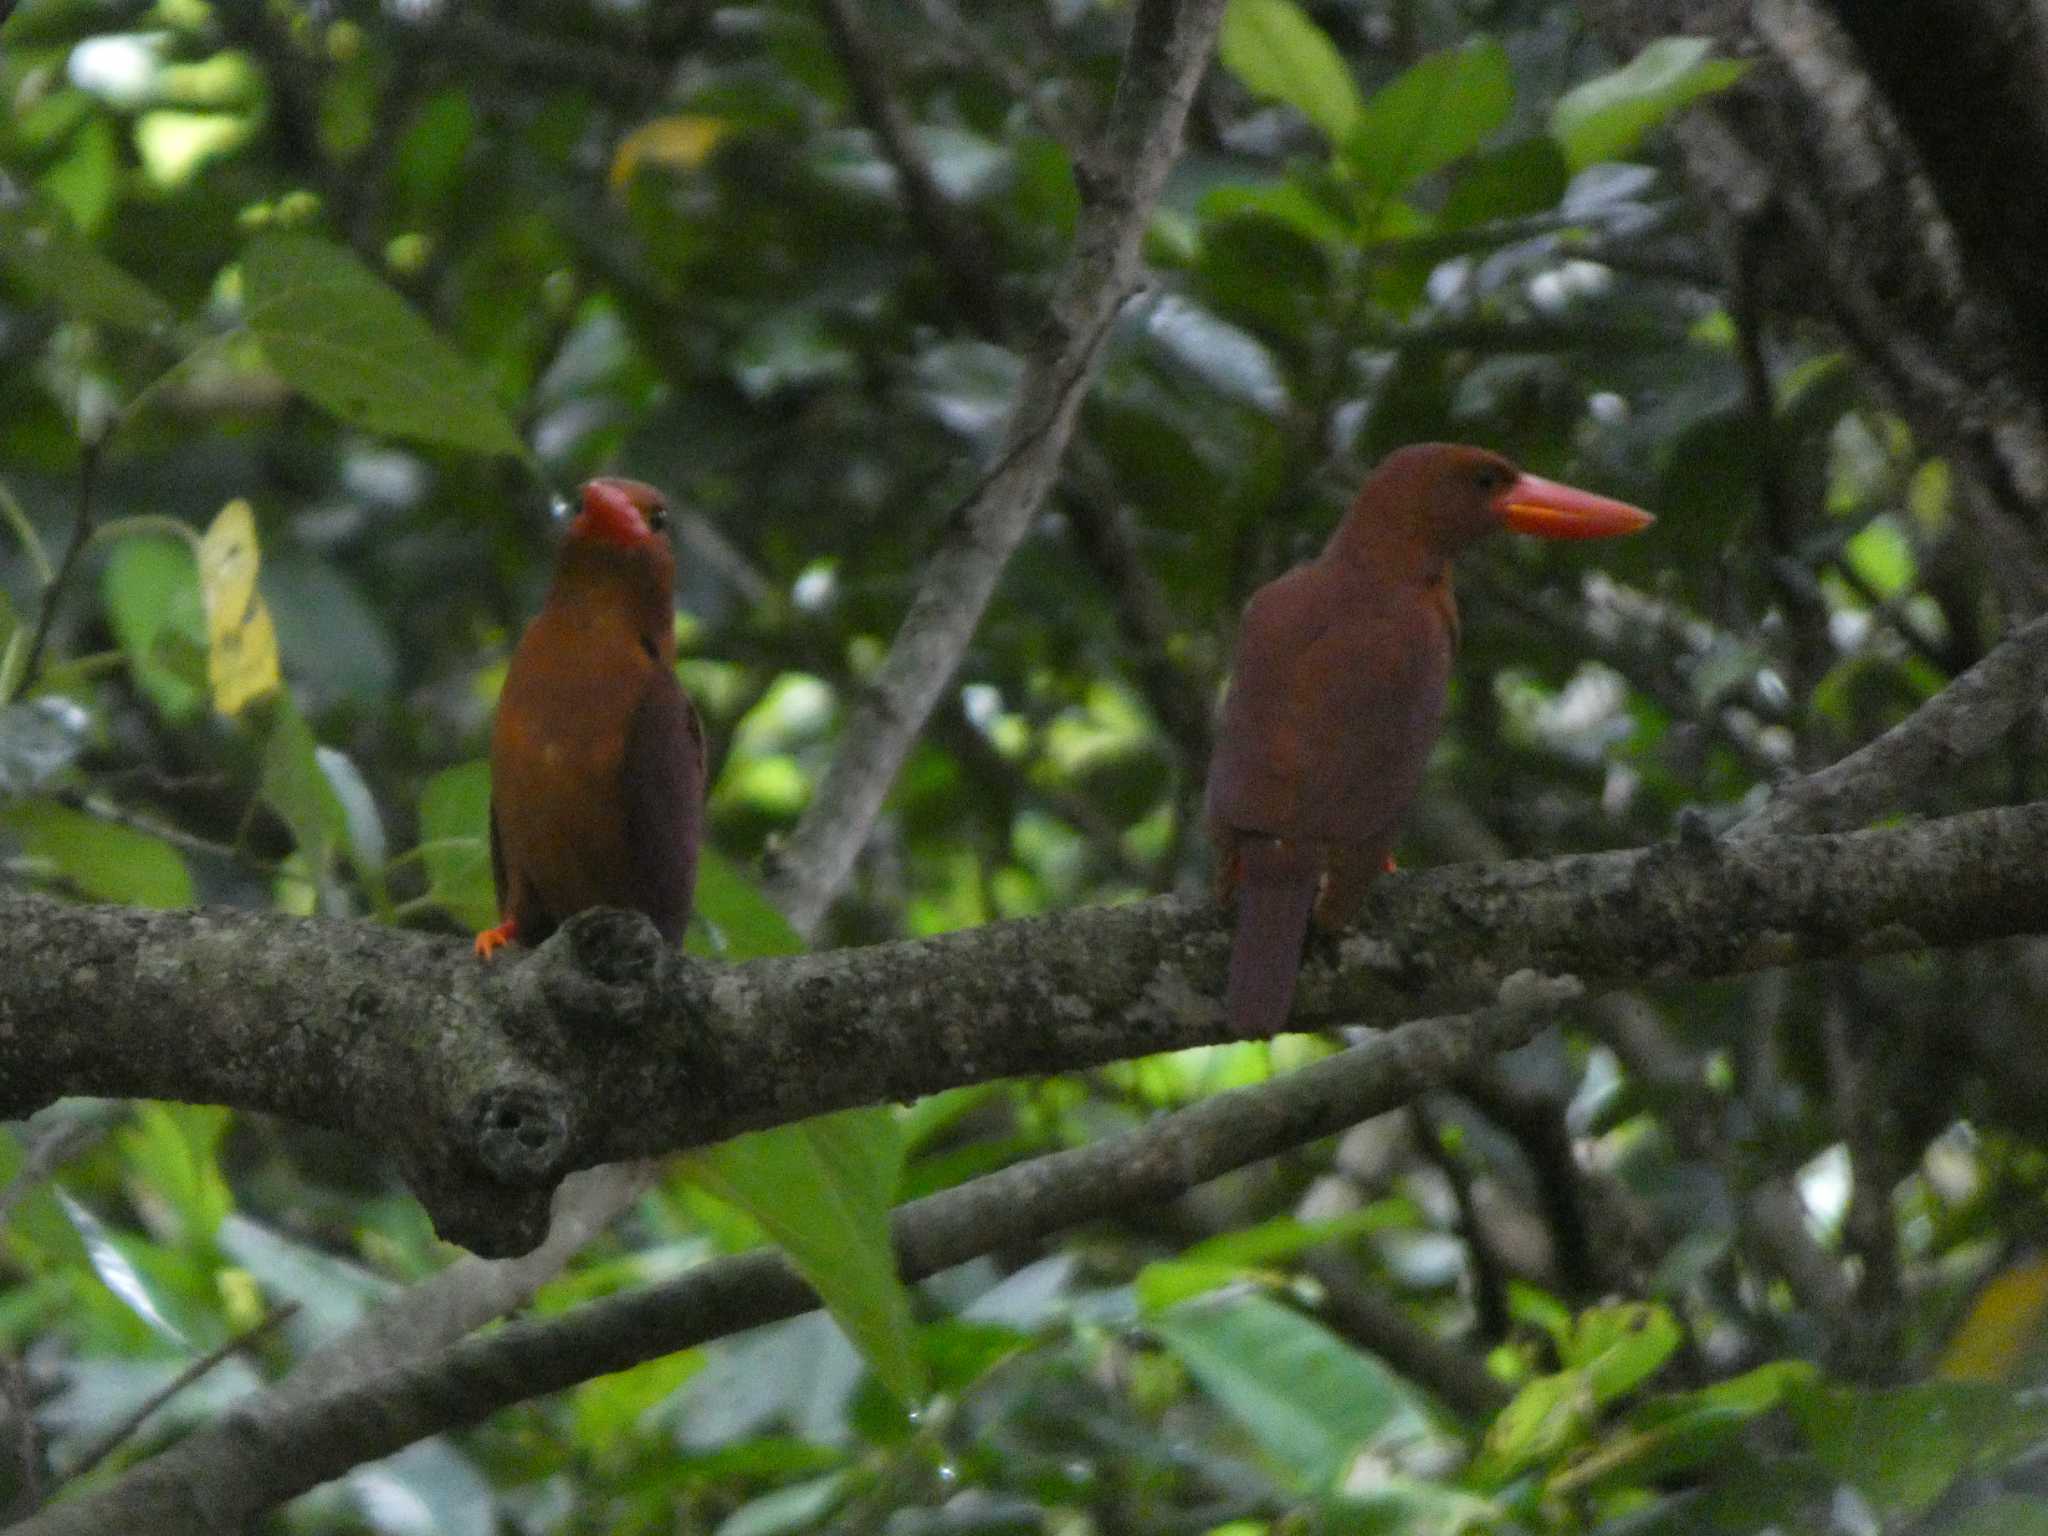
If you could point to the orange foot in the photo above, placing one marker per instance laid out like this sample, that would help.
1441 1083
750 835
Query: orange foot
491 940
1389 866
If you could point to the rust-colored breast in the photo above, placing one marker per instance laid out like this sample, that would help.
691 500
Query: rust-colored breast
556 753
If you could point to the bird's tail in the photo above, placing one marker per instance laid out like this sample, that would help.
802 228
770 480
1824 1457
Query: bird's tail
1277 880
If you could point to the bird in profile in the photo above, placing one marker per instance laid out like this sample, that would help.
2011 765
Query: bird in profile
597 756
1338 695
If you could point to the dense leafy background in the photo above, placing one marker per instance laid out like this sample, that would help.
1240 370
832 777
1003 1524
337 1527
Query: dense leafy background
399 278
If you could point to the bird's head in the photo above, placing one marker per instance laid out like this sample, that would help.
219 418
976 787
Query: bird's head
627 513
1442 496
617 552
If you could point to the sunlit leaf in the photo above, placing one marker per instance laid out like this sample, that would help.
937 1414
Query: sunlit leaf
175 1149
683 142
1606 117
352 345
241 641
1278 52
1441 108
117 1272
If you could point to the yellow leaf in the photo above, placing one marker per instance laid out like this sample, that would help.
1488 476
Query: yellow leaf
2003 1328
241 641
683 143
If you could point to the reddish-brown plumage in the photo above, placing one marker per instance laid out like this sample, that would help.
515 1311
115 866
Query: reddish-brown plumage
597 757
1338 695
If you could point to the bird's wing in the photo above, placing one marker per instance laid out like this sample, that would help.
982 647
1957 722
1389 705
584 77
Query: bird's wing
661 785
1332 711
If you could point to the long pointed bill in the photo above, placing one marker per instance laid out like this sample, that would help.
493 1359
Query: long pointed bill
1553 511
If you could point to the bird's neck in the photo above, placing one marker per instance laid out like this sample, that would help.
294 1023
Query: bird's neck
1387 554
596 586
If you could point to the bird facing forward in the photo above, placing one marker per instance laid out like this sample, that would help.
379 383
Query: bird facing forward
597 757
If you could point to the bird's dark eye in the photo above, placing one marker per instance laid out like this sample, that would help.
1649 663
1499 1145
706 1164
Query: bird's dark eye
1492 477
657 516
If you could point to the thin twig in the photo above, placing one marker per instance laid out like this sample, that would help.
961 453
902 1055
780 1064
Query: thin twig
81 534
959 253
1489 1281
100 1449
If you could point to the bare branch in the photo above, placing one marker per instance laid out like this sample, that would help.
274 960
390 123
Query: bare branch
1169 47
115 1437
964 264
220 1477
1962 722
491 1082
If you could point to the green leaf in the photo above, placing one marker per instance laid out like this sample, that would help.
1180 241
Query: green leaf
1902 1446
174 1148
40 246
1277 52
607 1411
1548 1416
798 1507
743 924
1525 177
151 590
105 861
822 1189
1620 1346
1607 116
355 348
298 788
455 847
1443 107
2007 1515
1310 1399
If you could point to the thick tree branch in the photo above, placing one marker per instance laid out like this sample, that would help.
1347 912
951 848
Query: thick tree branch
222 1476
1959 724
1169 47
491 1082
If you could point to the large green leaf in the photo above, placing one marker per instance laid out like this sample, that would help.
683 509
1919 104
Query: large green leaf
1278 52
1304 1394
102 860
822 1188
299 789
1904 1446
1606 117
151 590
353 346
1442 108
455 830
40 246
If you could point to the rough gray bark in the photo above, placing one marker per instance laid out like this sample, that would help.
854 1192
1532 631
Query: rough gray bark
493 1082
219 1478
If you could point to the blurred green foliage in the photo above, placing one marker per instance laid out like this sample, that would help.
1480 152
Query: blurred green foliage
402 276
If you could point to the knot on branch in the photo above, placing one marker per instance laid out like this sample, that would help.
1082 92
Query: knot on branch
603 972
520 1133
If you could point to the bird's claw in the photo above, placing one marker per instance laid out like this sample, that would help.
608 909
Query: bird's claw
491 940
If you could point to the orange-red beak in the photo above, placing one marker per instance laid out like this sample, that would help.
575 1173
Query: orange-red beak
1553 511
